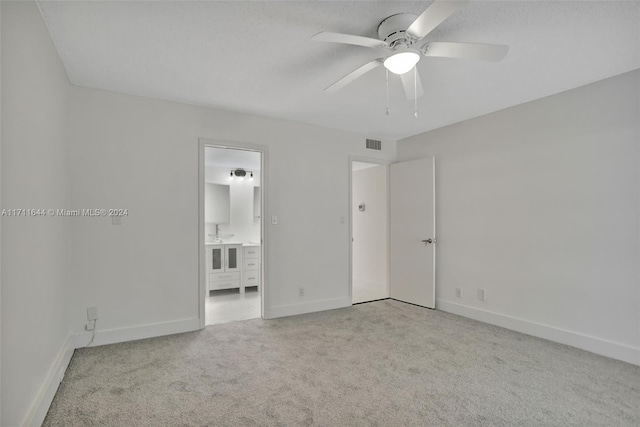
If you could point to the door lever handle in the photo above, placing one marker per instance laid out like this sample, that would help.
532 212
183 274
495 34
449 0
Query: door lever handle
427 241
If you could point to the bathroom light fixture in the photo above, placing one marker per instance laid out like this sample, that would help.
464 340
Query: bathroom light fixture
241 174
402 62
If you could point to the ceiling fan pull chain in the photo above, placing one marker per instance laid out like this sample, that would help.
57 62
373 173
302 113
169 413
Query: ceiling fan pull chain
387 76
415 91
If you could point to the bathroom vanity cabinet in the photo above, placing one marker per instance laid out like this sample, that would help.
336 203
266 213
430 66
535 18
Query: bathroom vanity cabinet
224 265
251 266
231 266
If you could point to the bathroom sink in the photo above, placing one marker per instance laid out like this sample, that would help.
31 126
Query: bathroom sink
221 237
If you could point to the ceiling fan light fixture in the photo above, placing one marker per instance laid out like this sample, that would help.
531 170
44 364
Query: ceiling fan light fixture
402 62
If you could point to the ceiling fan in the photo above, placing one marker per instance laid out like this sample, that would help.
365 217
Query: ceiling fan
400 35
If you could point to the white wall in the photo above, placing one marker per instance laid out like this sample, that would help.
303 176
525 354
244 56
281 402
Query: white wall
370 236
242 224
539 205
142 154
69 147
35 324
0 222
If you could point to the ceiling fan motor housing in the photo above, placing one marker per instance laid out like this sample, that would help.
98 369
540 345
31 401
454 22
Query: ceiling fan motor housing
393 29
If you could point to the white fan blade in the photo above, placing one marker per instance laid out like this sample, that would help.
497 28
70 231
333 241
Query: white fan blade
433 16
354 75
412 84
347 39
485 52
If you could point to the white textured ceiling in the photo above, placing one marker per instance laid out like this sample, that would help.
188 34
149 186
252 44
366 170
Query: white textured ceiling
256 57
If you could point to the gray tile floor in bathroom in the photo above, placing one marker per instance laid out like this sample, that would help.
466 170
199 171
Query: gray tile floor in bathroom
230 305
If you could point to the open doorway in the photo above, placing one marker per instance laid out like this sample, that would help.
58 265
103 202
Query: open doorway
370 232
232 224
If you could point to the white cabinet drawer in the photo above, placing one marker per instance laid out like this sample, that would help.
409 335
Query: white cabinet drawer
224 285
252 251
251 278
251 264
224 277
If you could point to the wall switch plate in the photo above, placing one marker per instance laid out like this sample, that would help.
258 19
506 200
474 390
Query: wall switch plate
274 219
482 294
300 292
459 292
92 313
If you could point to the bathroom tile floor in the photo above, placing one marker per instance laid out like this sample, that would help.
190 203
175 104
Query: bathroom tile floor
230 305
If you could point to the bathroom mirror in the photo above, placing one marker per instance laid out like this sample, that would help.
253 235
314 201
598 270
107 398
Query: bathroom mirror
256 203
216 203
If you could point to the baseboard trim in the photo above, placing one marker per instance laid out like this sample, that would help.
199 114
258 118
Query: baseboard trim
590 343
139 332
40 407
307 307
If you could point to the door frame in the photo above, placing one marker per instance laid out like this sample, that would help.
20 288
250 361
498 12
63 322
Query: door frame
264 155
381 162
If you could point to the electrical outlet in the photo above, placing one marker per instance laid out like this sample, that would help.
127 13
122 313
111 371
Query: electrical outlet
90 326
274 219
300 292
459 292
92 313
482 294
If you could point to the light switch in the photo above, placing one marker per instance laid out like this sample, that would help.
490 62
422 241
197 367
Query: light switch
274 219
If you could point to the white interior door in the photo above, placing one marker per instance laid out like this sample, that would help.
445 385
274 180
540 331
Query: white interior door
412 232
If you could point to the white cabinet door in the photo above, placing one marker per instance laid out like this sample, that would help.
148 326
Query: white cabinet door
233 257
412 232
215 258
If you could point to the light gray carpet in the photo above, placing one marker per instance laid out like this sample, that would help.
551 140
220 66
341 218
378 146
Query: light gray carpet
382 364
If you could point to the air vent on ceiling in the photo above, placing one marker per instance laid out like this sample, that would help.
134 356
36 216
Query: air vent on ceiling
374 144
